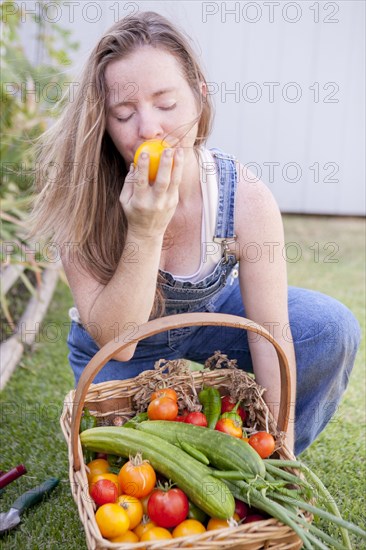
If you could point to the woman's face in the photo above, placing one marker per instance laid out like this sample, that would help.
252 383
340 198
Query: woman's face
149 99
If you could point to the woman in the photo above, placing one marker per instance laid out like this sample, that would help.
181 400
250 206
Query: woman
146 249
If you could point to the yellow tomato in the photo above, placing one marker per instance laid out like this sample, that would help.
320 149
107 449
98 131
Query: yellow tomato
133 507
96 467
188 527
111 477
112 520
156 533
154 147
143 527
216 523
128 536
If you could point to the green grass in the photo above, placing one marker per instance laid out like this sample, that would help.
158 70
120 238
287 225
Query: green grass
32 401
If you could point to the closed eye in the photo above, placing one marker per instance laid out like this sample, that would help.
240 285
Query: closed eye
170 108
120 119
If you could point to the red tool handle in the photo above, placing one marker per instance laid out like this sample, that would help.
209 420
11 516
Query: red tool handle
11 475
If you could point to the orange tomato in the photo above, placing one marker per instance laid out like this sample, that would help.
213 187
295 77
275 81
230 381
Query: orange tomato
111 477
156 533
164 392
162 408
96 467
154 147
128 536
137 477
133 507
143 527
112 520
188 527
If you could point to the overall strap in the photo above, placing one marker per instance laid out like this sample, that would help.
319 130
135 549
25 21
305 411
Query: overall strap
227 178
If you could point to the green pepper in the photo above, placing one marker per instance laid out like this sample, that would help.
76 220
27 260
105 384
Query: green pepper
87 421
141 417
88 455
196 513
233 415
210 399
115 463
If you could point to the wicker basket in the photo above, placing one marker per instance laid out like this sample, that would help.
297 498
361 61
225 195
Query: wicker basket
108 398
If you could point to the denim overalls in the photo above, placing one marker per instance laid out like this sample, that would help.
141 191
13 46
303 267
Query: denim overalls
325 333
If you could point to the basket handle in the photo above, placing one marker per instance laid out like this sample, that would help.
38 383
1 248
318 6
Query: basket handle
160 325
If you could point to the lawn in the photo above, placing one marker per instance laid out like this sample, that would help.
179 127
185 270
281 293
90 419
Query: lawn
332 261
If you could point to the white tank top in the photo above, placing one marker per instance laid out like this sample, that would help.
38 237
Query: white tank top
210 251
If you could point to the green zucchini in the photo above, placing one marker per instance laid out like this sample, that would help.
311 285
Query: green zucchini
208 493
224 451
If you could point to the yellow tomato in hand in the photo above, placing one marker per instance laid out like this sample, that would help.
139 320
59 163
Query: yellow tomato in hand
154 147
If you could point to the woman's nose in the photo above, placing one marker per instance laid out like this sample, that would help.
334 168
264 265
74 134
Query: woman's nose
149 126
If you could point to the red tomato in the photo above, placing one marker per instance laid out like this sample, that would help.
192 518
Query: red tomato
102 455
162 408
180 419
111 477
263 443
227 405
104 491
254 517
196 418
229 426
241 508
168 508
164 392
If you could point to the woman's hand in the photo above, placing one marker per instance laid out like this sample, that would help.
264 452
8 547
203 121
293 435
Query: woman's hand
149 208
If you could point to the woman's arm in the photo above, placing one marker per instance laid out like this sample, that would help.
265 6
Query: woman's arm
127 300
263 285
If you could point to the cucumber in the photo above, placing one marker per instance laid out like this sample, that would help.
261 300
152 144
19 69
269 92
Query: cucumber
208 493
224 451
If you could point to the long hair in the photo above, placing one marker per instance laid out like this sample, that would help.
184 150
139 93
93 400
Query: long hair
80 173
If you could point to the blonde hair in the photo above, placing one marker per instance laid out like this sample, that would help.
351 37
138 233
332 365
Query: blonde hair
80 173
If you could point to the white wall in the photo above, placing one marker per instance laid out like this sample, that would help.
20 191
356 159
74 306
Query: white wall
297 70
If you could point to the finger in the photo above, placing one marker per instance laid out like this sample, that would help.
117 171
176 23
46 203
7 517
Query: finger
127 188
141 173
164 171
177 171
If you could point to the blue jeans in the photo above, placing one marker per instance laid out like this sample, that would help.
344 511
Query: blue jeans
325 333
